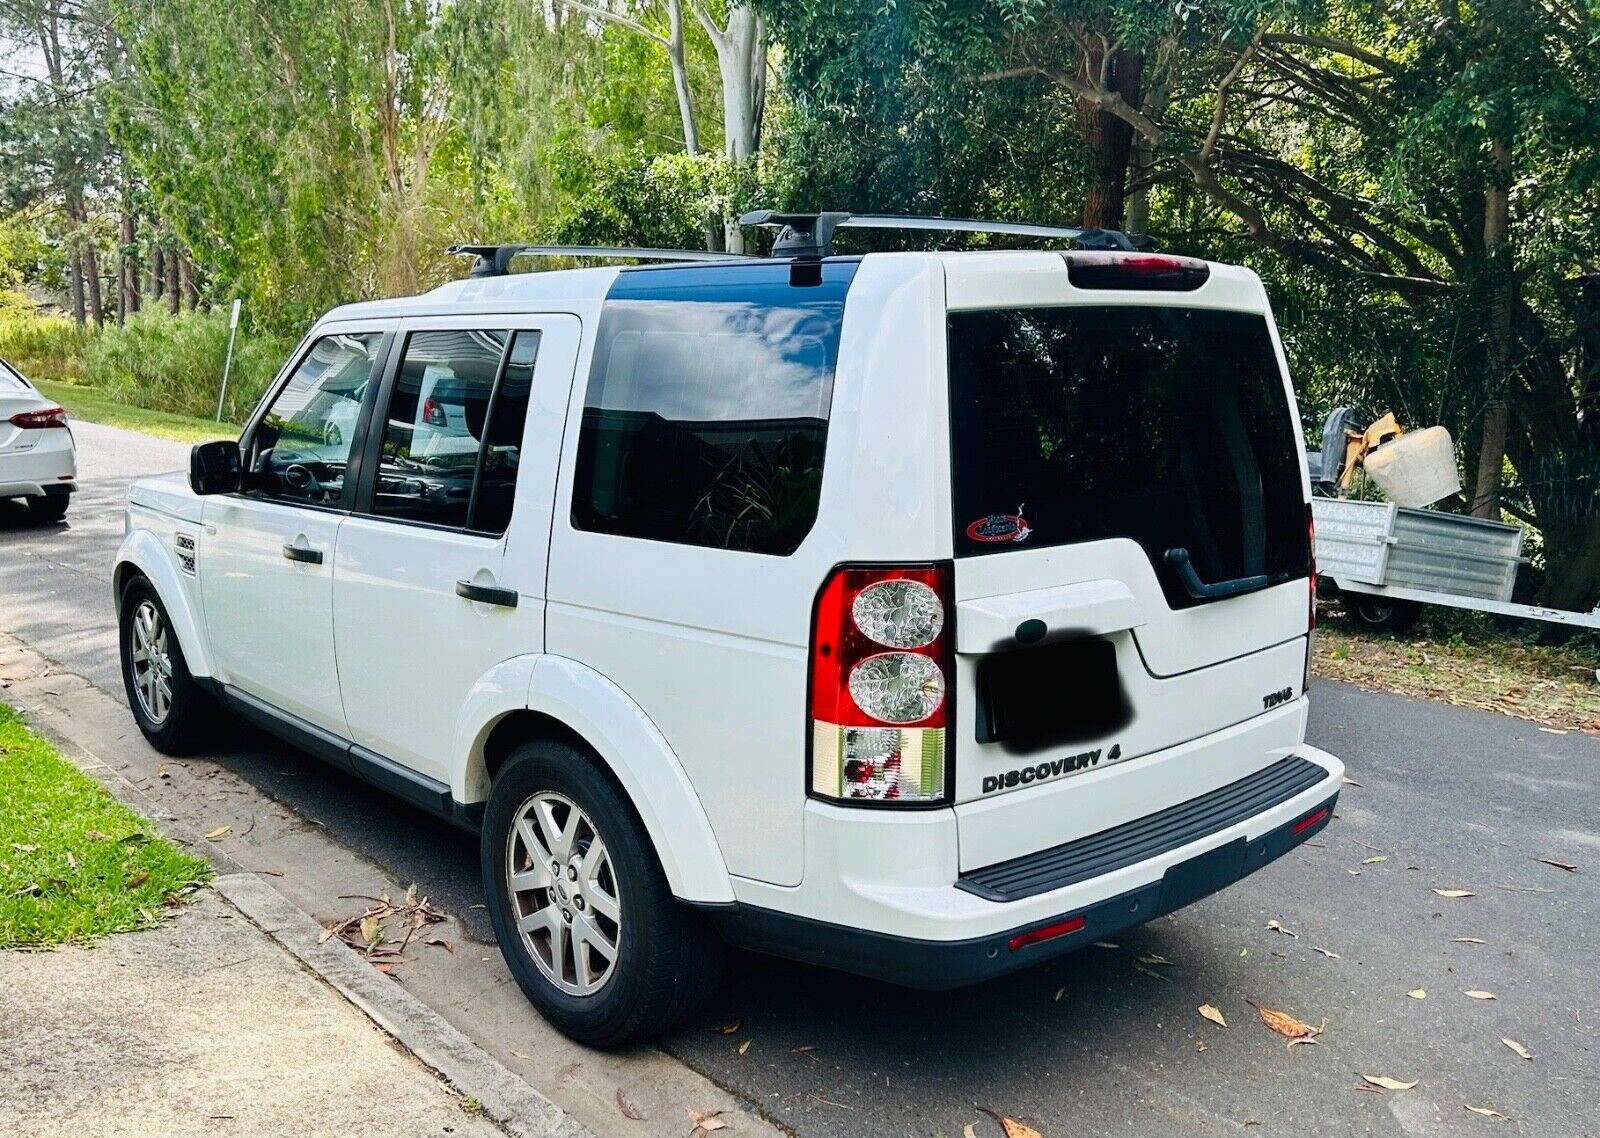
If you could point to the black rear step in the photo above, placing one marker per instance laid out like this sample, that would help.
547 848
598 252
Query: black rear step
1144 838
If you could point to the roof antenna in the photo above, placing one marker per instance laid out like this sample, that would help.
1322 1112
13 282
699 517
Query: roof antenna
804 236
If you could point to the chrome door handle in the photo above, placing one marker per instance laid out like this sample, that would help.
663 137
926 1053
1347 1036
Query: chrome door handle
487 594
303 555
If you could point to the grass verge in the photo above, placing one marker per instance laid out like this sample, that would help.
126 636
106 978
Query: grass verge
95 406
75 864
1470 661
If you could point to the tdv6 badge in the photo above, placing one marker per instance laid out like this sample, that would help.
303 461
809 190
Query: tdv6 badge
1273 699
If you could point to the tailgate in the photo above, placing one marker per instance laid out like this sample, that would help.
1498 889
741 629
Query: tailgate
1132 551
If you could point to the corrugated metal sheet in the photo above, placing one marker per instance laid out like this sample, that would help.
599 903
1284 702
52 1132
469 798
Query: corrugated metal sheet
1377 543
1352 538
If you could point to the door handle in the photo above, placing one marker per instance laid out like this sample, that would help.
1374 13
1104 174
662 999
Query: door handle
303 555
1201 591
487 594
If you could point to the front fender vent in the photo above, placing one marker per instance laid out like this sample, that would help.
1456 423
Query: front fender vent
183 546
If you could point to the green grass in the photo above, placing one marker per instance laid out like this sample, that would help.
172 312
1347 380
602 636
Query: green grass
75 864
95 406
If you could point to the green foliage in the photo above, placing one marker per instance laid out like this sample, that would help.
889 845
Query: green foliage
42 347
78 865
631 198
174 363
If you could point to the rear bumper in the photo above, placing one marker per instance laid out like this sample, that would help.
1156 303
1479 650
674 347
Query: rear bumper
961 932
49 464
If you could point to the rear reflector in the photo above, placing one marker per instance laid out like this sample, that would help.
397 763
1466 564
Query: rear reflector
1048 932
1310 820
1154 272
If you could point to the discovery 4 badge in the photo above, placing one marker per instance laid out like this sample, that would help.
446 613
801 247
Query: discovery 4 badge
1051 769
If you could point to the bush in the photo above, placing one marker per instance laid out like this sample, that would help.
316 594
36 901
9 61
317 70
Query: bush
41 347
174 363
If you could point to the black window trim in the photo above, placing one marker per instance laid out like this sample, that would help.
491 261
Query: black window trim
385 329
372 424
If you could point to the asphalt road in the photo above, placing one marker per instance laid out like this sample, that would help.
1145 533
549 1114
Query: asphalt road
1098 1043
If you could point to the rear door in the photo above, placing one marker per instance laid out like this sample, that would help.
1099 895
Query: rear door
1130 526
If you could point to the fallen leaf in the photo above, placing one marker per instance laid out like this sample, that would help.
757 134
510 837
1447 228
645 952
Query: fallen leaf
161 771
1210 1012
1325 952
1517 1047
1155 958
803 1049
728 1028
1389 1084
1277 928
1243 952
1468 940
1566 865
20 848
1418 993
72 862
519 1054
1302 1039
1455 893
625 1105
1104 944
441 942
271 872
1199 1046
96 836
220 831
1552 731
708 1121
1152 973
1059 993
1285 1024
970 1130
386 969
1478 994
137 880
743 1047
1374 859
326 933
1350 782
1011 1126
1486 1111
371 930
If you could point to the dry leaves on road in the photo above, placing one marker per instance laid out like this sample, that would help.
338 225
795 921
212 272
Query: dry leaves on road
1455 894
1325 952
1210 1012
625 1104
1517 1047
1418 993
727 1028
370 931
705 1123
1278 928
1566 865
1468 940
1286 1025
1486 1111
1389 1084
1480 994
219 832
1011 1126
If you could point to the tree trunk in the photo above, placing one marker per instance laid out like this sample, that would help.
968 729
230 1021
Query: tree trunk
128 269
172 293
1500 284
1108 138
158 272
742 64
75 277
191 291
680 76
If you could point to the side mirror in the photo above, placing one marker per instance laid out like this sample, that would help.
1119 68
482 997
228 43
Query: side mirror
215 468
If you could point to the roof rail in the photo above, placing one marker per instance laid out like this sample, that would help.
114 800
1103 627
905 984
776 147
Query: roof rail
810 235
495 260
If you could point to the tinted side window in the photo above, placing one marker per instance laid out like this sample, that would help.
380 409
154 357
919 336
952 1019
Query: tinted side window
502 440
301 447
706 416
434 425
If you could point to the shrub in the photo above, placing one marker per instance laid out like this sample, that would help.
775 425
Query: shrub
174 363
41 347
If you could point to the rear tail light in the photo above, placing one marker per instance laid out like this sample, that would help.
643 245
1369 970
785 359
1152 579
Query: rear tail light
1156 272
1310 820
1047 932
40 419
1311 617
881 658
433 413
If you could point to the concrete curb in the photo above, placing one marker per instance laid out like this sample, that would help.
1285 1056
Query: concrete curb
505 1098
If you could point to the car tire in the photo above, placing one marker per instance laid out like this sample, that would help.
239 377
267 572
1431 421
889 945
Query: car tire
51 506
1383 614
665 960
174 713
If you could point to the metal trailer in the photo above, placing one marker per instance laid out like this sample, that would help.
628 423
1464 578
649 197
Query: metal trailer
1394 559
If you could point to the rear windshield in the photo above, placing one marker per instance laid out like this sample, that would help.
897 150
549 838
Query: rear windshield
10 380
1169 426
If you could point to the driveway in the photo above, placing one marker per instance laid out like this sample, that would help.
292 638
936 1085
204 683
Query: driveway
1107 1040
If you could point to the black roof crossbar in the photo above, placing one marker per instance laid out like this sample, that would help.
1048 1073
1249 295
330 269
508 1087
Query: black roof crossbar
808 235
495 260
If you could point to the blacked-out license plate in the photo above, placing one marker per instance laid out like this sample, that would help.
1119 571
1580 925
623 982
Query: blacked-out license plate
1202 875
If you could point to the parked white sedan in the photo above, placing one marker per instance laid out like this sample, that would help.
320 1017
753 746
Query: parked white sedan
37 460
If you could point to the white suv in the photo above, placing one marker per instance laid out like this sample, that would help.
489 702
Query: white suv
920 615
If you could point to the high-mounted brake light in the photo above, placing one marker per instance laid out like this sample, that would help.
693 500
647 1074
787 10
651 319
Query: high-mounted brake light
881 658
433 413
1156 272
40 419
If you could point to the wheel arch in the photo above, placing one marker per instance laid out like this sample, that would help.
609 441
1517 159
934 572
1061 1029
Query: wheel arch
563 699
143 554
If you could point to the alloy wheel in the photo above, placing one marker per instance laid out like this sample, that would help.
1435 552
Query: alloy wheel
564 894
152 662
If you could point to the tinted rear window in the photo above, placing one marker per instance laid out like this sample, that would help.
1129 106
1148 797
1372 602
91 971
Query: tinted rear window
706 417
1169 426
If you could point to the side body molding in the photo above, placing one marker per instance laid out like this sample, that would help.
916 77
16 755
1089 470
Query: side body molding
617 728
145 550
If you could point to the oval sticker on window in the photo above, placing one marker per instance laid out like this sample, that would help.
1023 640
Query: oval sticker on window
1000 527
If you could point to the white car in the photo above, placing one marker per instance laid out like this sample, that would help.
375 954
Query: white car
920 615
37 460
